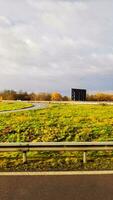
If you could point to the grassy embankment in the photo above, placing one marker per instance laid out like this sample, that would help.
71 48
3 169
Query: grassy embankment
58 123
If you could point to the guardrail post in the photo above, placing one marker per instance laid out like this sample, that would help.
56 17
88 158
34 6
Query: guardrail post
24 157
84 157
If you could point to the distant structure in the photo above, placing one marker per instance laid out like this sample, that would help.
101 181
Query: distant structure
78 94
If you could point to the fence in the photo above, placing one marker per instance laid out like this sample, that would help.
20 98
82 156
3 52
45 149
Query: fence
56 146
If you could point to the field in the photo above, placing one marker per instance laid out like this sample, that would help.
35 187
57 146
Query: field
7 106
58 123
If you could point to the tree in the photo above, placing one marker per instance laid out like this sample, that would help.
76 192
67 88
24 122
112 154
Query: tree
55 96
33 97
42 96
24 96
100 97
8 95
1 98
65 98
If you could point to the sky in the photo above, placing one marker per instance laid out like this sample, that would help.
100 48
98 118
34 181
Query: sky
55 45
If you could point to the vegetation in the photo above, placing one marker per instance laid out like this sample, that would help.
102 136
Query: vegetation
24 96
6 106
100 97
55 96
58 123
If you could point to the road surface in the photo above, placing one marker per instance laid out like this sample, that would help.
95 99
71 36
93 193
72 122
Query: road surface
63 187
34 107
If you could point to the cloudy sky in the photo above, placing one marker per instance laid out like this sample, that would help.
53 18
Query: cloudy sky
53 45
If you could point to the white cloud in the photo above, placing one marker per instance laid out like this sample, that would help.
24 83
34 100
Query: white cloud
56 44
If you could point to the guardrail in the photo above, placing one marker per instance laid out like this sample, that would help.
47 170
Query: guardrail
56 146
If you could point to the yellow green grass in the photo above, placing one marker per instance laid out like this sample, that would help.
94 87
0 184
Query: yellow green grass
58 123
7 106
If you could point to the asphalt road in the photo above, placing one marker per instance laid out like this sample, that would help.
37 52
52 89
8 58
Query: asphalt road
64 187
34 107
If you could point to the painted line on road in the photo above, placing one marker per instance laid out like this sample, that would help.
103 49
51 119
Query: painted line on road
56 173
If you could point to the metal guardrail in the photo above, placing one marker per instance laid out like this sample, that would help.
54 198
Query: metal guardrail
56 146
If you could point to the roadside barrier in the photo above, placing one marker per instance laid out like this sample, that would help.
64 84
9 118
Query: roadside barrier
56 146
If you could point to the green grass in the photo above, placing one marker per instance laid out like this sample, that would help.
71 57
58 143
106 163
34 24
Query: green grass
7 106
58 123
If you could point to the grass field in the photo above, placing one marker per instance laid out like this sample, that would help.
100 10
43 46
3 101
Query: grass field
7 106
58 123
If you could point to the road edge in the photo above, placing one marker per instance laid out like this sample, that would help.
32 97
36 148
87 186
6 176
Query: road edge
56 173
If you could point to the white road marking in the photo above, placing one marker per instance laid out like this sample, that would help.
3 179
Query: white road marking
54 173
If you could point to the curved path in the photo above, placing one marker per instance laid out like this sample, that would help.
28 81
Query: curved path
34 107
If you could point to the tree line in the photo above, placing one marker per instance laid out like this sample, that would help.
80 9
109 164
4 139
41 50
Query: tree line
25 96
100 97
55 96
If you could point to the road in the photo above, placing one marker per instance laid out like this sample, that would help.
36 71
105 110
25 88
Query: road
34 107
63 187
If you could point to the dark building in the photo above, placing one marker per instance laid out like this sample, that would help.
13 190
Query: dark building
78 94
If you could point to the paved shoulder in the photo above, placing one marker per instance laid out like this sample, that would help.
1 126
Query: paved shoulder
76 187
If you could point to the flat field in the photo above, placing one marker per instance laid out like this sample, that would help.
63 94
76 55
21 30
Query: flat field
58 122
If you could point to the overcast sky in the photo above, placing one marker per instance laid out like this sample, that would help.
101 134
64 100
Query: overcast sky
53 45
